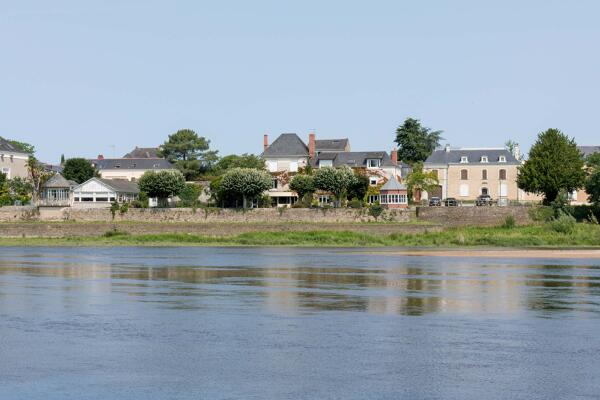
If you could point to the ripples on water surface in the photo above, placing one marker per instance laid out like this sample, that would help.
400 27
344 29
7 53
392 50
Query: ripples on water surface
224 323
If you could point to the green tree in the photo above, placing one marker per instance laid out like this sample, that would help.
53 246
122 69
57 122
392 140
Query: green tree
22 146
303 185
37 177
592 187
189 195
189 152
162 184
62 159
239 161
554 164
334 180
246 183
78 170
416 142
421 181
593 161
20 188
358 187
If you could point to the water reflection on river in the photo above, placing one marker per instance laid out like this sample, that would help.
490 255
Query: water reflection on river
294 323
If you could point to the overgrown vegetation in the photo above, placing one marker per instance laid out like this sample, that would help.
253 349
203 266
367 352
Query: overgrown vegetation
581 235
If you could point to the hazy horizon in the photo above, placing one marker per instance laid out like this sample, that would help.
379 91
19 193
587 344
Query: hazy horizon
80 78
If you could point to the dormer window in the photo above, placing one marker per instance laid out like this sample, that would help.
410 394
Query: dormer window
373 163
484 159
464 159
118 166
502 159
325 163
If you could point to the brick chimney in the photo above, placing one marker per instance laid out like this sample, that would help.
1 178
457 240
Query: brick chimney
311 145
100 157
265 142
394 156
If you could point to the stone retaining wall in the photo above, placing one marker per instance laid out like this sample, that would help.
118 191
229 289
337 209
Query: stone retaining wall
473 216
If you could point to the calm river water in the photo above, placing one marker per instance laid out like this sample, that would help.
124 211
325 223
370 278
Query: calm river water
264 323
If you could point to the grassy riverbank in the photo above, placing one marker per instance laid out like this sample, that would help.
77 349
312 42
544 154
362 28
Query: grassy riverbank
583 235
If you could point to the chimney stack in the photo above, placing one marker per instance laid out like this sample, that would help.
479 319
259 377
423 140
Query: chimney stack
394 156
311 145
517 151
265 142
447 148
100 157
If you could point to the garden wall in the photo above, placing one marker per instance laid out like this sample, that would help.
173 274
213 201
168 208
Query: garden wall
474 216
271 215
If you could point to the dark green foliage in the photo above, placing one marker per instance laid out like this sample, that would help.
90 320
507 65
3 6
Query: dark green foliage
541 213
124 208
358 186
189 152
375 210
189 195
162 184
62 159
561 204
22 146
303 185
416 142
78 170
142 201
592 187
114 207
593 161
3 180
239 161
20 189
355 203
554 164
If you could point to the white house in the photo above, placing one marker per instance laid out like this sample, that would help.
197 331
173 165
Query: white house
102 192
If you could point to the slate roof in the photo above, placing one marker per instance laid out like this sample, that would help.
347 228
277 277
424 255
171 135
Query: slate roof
588 150
5 145
58 181
132 163
121 185
143 152
354 158
441 156
393 184
287 144
331 144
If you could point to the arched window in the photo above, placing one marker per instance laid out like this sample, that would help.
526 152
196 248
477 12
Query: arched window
484 175
502 175
464 174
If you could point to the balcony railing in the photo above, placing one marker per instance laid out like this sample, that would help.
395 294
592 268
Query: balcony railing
54 202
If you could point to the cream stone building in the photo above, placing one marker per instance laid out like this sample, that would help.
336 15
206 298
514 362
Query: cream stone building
466 173
13 163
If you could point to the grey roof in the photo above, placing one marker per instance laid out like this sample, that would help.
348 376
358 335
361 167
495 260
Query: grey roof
132 163
121 185
354 158
5 145
331 144
58 181
143 152
287 144
453 156
589 150
393 184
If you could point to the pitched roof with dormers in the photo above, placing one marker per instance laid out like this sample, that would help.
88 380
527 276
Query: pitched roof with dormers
334 145
354 159
7 146
132 163
473 155
143 152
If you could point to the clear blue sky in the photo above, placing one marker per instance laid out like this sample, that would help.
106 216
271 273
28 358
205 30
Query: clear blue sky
78 77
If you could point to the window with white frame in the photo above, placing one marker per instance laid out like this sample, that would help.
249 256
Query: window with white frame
373 180
464 159
484 159
403 199
324 199
272 166
464 190
294 166
502 159
274 183
383 199
503 190
373 198
373 163
325 163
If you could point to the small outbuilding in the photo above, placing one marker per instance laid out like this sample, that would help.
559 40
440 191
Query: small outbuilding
56 192
393 194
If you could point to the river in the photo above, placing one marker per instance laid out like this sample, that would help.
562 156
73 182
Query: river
289 323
